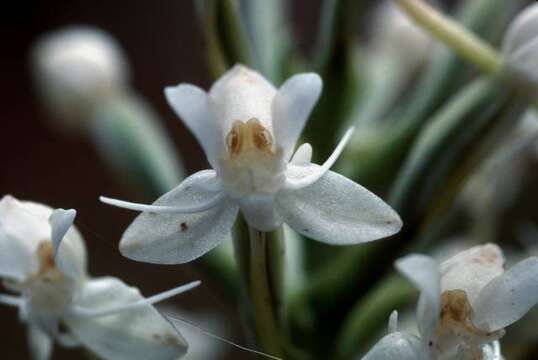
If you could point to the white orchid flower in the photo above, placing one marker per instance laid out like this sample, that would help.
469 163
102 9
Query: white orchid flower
248 130
520 44
46 264
464 305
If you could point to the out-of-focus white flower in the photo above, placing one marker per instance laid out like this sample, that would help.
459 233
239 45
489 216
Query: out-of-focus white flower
43 258
520 45
248 130
464 305
397 37
76 67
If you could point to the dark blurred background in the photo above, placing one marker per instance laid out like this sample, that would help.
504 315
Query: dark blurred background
163 42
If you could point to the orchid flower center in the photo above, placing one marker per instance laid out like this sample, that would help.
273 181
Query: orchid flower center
49 290
252 165
455 325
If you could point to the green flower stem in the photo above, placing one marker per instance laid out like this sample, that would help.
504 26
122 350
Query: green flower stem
370 315
224 34
454 35
263 293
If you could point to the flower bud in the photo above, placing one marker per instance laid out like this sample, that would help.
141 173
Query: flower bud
76 67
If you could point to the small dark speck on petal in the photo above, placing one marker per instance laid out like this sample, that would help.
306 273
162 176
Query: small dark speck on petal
184 226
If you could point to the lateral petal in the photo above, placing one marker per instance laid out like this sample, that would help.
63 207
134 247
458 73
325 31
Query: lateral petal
508 297
195 108
291 108
423 272
336 210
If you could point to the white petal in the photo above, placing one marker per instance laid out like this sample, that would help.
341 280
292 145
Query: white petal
303 155
39 343
69 255
508 297
242 94
136 334
399 346
179 238
143 302
423 272
471 270
337 211
393 321
23 226
259 212
317 172
291 108
522 29
195 108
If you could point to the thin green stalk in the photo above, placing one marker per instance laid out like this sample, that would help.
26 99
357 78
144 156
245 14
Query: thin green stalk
453 34
261 293
370 314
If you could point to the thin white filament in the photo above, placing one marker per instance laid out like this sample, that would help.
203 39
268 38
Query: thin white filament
219 338
85 312
10 300
211 203
297 184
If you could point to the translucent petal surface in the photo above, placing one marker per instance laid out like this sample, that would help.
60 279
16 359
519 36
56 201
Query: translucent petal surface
399 346
472 269
242 94
23 225
522 29
291 108
70 253
179 238
133 334
508 297
195 108
338 211
423 272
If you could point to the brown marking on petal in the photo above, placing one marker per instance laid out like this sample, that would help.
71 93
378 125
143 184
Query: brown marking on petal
183 226
455 321
48 271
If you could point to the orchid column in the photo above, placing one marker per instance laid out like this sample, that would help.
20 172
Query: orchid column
248 130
